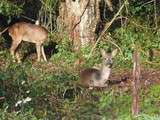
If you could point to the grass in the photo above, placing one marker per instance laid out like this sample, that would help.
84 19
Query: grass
55 95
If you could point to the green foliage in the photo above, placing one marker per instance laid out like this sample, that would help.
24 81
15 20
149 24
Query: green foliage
116 103
8 8
17 116
48 13
149 98
139 117
65 55
50 4
140 8
52 86
54 93
131 36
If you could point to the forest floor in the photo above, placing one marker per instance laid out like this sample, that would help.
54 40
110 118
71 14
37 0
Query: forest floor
149 76
119 77
50 90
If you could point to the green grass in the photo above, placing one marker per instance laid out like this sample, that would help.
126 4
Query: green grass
54 91
55 94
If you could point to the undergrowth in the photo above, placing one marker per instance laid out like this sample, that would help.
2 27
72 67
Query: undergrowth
48 91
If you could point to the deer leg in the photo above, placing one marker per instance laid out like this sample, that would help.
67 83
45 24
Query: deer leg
18 57
43 53
90 88
13 49
38 49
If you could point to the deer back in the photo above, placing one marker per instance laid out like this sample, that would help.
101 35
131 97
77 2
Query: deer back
28 32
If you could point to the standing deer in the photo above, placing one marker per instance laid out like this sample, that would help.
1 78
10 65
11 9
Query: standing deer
92 77
30 33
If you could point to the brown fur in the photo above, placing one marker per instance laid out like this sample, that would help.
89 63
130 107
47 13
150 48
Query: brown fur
92 77
86 76
30 33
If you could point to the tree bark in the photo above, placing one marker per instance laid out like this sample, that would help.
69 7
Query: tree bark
79 18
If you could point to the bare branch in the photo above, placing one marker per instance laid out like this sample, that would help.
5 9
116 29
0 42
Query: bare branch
4 31
155 14
107 25
147 3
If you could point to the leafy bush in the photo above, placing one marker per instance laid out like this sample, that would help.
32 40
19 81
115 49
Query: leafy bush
131 36
51 87
9 9
17 116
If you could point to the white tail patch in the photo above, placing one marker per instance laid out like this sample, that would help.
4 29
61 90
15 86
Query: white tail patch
37 22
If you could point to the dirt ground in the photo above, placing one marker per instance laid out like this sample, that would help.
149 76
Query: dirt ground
123 78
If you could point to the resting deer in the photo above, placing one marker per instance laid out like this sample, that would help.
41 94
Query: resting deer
92 77
28 32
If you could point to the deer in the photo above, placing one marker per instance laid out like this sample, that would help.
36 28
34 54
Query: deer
23 31
93 77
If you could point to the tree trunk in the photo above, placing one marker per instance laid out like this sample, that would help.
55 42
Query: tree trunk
79 18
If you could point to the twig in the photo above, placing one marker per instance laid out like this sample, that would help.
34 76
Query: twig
152 63
155 14
142 26
4 31
106 28
44 4
121 17
149 62
48 8
28 18
115 45
132 21
147 3
120 3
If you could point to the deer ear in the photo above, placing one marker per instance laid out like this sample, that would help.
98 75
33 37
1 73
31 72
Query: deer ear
103 52
114 52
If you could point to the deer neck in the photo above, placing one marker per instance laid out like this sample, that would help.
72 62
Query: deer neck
105 72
